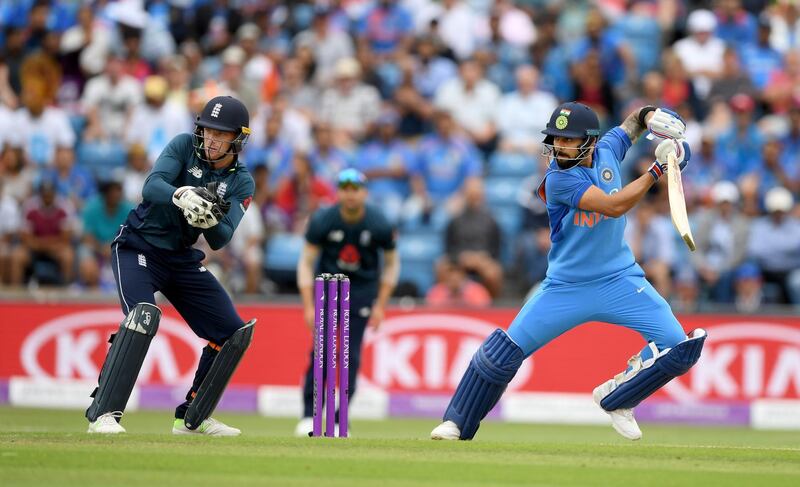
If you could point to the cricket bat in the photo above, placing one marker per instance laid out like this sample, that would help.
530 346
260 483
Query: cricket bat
677 202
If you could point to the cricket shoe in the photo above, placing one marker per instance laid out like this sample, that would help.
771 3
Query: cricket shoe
448 430
621 419
107 424
209 427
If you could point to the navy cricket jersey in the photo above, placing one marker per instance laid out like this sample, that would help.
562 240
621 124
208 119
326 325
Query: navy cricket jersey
351 249
159 222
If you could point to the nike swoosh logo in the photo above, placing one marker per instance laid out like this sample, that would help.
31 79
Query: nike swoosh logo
639 290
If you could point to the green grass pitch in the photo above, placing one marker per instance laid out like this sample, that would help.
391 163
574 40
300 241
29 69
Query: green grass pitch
50 448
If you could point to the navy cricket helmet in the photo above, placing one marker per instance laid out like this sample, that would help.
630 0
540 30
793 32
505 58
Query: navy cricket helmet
574 120
227 114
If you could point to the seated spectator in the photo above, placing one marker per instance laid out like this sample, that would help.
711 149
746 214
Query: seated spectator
774 245
705 169
431 69
735 25
386 27
701 52
135 173
785 20
327 46
247 249
102 217
41 129
759 59
777 168
73 183
108 100
385 161
232 81
678 86
617 63
524 113
472 238
592 88
732 81
328 158
10 223
301 193
275 153
456 290
457 24
18 175
748 286
350 106
740 146
445 163
46 238
157 121
721 235
299 94
791 141
780 92
472 100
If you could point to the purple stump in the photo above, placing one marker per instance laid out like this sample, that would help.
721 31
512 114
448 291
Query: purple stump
319 348
331 330
344 356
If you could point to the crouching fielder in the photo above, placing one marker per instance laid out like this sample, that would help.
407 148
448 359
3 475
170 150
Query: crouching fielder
197 186
592 274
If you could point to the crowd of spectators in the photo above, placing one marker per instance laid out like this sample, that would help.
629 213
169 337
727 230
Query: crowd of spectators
440 103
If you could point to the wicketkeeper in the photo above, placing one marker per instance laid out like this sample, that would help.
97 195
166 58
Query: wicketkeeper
197 186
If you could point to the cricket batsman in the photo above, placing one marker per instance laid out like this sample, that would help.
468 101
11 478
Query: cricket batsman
197 186
592 274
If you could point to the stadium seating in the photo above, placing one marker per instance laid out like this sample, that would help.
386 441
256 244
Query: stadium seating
100 157
418 253
505 164
281 255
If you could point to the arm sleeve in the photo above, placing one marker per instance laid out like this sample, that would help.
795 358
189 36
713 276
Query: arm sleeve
158 186
616 141
566 188
220 234
315 233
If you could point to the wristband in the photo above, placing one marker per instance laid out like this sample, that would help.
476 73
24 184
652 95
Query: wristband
643 113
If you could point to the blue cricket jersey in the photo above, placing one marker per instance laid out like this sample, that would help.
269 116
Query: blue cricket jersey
586 245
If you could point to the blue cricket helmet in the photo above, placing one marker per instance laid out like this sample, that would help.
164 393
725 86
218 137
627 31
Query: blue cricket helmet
571 119
227 114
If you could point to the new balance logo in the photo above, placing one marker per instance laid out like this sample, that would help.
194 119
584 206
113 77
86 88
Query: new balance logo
142 260
196 172
215 111
202 269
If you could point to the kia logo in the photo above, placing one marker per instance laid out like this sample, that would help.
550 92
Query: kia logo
427 352
743 361
72 341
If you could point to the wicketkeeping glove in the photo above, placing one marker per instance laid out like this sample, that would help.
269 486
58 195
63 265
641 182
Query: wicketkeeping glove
205 208
680 148
666 124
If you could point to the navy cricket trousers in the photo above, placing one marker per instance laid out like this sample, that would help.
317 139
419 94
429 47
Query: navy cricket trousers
141 269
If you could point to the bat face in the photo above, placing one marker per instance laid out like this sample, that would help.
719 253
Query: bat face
677 202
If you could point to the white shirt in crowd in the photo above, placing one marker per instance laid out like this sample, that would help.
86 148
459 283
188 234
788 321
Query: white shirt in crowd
700 57
473 109
40 136
351 111
153 127
112 101
521 117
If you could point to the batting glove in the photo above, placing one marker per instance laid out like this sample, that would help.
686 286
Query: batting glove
204 220
666 124
679 148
